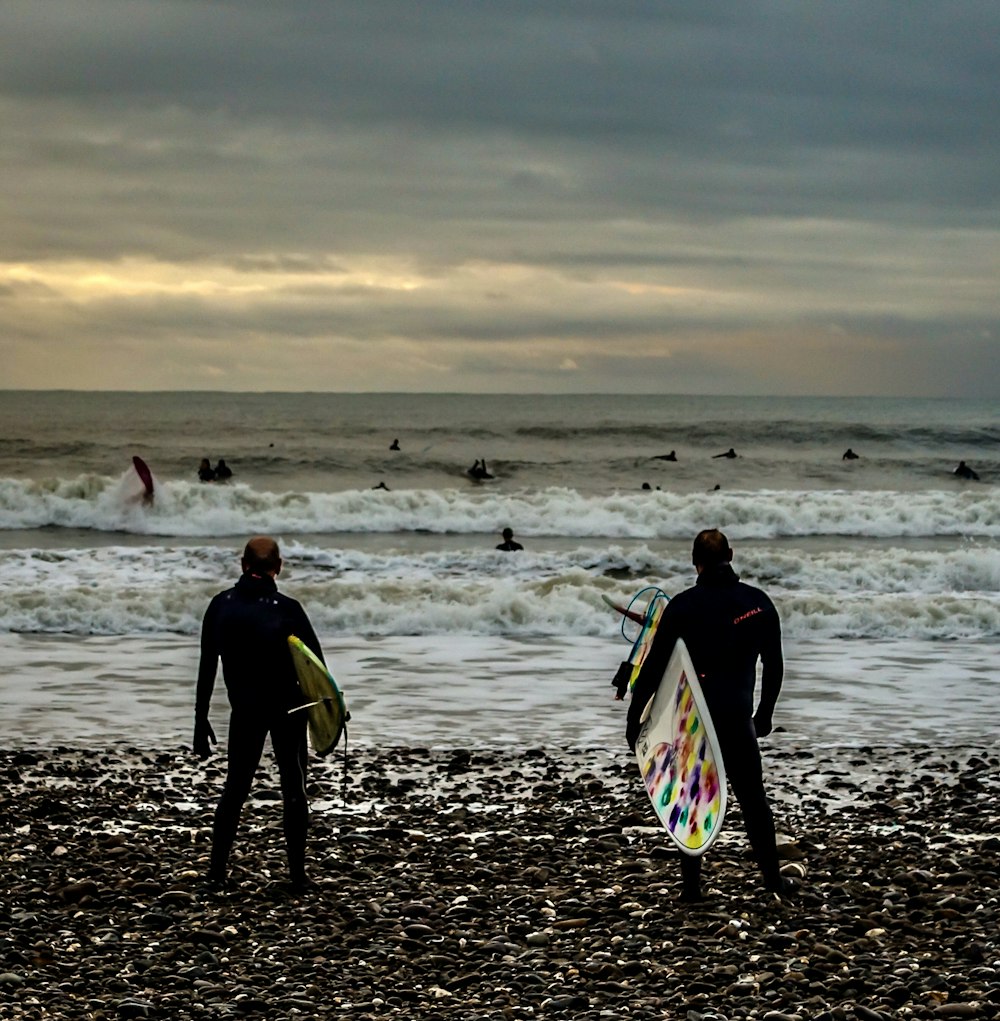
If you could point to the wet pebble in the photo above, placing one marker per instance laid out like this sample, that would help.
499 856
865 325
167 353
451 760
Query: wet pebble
473 884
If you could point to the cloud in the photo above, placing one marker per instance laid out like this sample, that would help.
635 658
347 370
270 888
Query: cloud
693 181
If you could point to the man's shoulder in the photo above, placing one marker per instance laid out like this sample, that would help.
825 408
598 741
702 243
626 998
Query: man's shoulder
754 590
289 603
757 600
274 597
681 599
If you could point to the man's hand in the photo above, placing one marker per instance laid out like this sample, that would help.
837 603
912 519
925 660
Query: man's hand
762 723
620 681
203 733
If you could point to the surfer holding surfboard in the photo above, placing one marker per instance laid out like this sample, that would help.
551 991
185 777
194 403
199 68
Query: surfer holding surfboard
248 627
726 626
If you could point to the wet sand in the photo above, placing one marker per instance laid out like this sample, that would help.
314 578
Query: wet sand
465 884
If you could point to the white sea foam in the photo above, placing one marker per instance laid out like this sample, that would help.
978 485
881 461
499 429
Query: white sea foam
190 510
883 593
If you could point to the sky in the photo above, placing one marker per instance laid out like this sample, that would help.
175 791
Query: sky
744 197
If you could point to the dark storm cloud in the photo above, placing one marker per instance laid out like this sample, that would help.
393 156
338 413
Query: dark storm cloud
839 98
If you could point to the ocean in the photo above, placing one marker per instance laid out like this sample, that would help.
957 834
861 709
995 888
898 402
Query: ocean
885 569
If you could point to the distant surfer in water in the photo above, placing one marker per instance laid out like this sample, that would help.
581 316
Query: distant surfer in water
672 456
849 455
726 626
730 453
223 471
479 470
394 445
248 626
963 471
205 470
508 543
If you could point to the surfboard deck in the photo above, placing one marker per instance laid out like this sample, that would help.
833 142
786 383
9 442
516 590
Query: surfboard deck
326 711
680 759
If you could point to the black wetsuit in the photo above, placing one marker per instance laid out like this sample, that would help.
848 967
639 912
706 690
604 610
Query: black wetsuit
248 627
726 626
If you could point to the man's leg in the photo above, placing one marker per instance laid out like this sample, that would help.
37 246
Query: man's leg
690 878
288 737
741 754
245 744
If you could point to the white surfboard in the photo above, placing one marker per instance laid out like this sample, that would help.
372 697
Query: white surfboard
680 759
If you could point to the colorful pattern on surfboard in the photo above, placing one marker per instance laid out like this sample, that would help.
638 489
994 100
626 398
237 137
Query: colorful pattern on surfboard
327 713
640 649
680 759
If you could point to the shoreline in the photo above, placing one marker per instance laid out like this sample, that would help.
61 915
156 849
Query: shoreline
473 883
499 692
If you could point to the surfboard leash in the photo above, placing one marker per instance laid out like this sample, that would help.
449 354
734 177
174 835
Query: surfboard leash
343 780
656 593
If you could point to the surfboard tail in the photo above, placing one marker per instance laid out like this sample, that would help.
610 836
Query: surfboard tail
638 618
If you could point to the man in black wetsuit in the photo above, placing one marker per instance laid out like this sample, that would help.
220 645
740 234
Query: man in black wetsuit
508 544
726 626
248 627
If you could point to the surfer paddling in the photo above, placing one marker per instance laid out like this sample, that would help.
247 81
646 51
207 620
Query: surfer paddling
248 627
963 471
727 626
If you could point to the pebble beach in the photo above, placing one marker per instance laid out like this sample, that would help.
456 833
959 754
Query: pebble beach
461 883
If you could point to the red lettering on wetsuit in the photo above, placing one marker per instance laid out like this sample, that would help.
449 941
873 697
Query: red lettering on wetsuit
749 613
